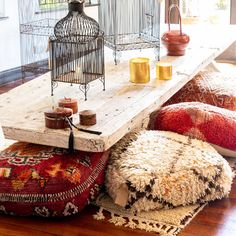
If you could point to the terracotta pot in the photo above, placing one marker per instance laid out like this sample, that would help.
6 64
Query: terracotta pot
175 40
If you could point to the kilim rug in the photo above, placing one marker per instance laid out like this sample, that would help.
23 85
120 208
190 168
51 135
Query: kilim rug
165 222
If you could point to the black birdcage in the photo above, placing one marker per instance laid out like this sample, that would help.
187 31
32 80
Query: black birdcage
130 24
77 50
37 20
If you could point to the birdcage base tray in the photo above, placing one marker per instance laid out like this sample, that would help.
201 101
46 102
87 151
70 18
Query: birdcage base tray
131 42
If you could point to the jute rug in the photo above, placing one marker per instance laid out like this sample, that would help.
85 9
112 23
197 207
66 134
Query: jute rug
165 222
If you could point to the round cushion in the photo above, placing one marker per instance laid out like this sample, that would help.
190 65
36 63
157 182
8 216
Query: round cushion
208 87
209 123
47 181
159 169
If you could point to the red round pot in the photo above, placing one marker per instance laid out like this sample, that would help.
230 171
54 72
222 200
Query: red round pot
175 40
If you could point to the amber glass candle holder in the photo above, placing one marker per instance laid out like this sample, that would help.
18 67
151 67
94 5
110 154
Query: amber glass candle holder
164 70
139 70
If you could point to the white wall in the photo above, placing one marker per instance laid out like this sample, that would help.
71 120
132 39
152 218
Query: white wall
10 37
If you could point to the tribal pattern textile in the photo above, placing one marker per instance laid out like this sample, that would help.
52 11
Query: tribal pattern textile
212 124
208 87
150 170
47 181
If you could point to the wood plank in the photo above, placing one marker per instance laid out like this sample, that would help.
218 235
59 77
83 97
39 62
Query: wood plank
122 107
118 109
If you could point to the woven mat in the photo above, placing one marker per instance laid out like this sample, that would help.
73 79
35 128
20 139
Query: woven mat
165 222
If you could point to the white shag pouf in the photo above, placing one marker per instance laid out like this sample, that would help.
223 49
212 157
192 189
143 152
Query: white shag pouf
159 169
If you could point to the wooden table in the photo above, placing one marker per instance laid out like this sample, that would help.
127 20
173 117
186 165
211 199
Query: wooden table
121 108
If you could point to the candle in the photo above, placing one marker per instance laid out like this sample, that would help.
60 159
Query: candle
164 70
139 70
78 71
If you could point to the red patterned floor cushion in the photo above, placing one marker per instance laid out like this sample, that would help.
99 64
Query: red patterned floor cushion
208 87
47 181
208 123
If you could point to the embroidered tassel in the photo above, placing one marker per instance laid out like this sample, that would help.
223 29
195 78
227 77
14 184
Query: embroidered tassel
99 215
71 137
71 142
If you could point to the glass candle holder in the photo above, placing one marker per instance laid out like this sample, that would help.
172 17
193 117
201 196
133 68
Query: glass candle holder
139 70
164 70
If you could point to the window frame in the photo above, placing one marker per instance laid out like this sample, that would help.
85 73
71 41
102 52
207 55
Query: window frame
232 9
174 16
2 9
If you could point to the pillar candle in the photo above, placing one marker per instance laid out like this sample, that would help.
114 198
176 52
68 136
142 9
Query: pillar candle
164 70
139 70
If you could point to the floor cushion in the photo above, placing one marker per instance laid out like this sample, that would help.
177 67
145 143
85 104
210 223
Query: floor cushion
47 181
208 87
159 169
209 123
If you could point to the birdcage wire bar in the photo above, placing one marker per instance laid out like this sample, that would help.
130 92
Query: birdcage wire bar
37 20
77 63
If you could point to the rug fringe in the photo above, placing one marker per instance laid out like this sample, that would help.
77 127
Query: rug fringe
99 215
135 223
117 220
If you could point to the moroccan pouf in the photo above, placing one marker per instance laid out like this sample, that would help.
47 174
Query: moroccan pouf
209 123
208 87
159 169
47 181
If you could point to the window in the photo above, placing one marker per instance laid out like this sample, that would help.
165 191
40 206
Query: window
2 8
233 9
60 4
52 4
206 12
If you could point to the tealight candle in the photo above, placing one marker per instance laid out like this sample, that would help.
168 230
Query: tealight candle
164 70
78 71
139 70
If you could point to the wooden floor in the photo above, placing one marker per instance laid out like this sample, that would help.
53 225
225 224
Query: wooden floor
217 219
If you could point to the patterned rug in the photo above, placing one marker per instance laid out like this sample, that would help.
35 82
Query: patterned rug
165 222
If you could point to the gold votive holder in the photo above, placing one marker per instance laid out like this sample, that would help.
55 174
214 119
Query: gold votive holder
164 70
139 70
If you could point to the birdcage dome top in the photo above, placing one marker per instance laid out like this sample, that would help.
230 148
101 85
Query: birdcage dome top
76 26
